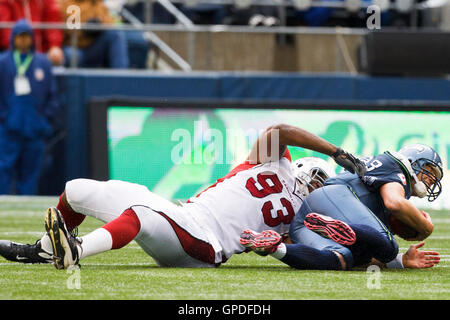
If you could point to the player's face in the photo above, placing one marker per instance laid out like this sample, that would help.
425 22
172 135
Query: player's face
23 42
426 178
431 176
316 183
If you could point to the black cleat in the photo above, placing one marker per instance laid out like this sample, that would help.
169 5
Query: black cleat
65 246
24 253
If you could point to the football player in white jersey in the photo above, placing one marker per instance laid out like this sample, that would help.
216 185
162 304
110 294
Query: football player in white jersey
261 193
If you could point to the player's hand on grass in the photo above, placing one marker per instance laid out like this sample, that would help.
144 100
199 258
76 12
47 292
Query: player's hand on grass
349 162
417 259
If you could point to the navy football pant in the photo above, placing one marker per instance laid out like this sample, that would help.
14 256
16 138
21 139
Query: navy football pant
338 202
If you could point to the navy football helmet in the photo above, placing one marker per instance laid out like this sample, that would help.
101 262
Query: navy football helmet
420 155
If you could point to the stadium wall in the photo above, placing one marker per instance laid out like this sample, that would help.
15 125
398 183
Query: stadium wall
79 87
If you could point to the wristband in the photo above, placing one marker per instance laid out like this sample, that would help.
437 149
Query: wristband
397 263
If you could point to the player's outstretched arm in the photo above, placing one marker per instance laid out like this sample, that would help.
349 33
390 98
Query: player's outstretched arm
394 200
273 142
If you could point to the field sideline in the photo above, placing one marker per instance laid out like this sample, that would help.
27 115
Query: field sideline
129 273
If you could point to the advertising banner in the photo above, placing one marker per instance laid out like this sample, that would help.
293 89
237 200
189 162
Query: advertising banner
179 152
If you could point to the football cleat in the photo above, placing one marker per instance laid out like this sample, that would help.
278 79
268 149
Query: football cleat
66 248
24 253
263 243
333 229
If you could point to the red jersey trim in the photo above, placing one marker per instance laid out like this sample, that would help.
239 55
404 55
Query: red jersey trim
287 155
196 248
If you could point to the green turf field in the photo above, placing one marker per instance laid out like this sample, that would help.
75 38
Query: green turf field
129 273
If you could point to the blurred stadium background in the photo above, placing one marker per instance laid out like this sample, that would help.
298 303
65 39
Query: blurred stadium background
245 64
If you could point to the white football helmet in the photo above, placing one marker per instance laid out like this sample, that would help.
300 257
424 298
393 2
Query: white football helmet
311 173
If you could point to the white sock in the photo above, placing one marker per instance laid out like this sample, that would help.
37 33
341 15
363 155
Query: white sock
280 252
97 241
46 244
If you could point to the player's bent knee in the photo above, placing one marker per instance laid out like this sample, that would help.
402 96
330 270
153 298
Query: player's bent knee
78 190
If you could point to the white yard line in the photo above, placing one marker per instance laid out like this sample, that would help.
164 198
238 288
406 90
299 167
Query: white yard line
22 233
441 220
439 238
36 199
19 213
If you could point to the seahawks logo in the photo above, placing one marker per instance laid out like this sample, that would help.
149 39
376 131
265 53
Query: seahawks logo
416 147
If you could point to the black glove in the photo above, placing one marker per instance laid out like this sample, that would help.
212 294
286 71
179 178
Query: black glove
349 162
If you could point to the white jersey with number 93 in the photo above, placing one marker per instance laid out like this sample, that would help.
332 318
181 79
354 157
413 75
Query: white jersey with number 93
257 197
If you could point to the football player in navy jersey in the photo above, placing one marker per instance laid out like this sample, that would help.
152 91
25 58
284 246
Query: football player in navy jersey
350 221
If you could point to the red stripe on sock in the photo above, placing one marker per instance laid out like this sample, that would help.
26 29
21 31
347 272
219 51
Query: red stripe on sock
123 229
71 218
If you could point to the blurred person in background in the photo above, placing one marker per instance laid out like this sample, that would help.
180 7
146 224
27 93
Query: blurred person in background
28 103
335 16
95 48
44 11
138 45
205 13
254 16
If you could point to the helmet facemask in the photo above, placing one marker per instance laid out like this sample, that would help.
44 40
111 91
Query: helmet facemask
311 173
432 183
426 169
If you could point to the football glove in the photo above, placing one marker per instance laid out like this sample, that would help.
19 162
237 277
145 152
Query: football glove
349 162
